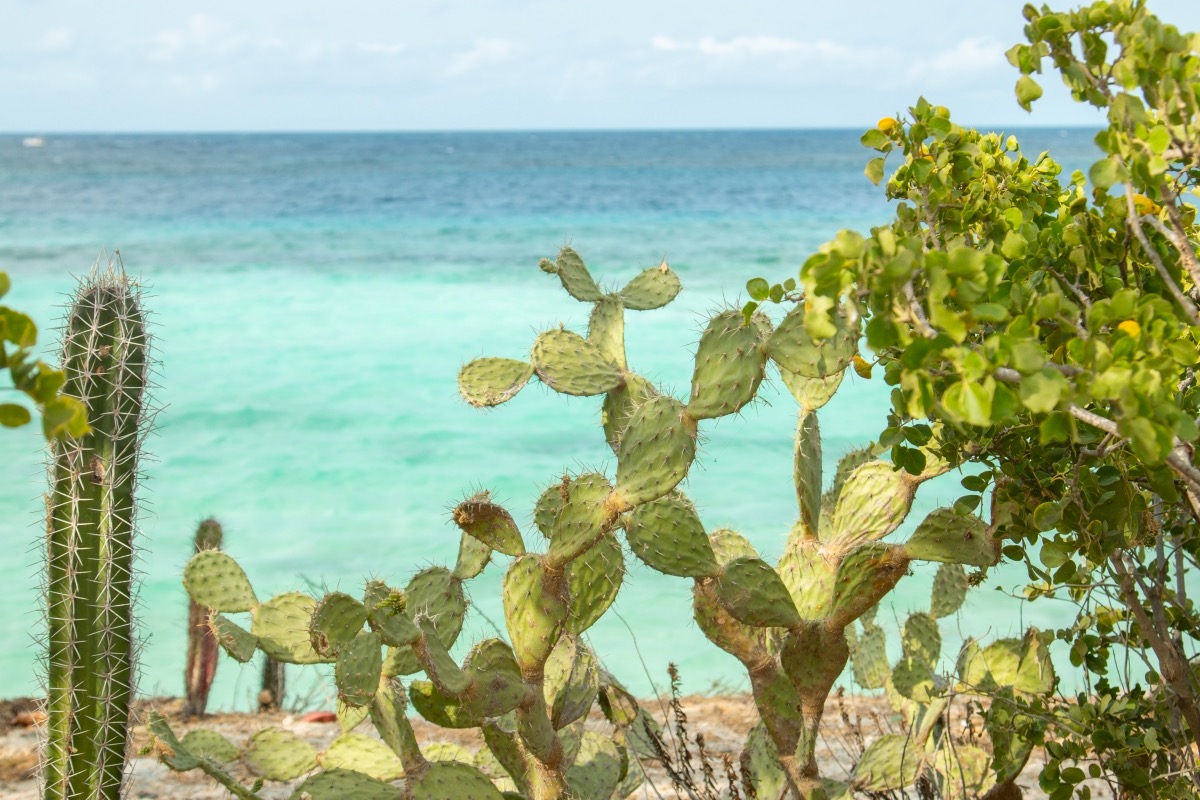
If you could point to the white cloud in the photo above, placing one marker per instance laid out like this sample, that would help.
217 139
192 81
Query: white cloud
57 39
665 43
375 48
968 56
742 47
485 52
201 33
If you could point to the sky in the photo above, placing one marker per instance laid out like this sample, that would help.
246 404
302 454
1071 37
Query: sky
315 65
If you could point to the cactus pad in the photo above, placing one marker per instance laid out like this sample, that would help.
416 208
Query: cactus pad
811 393
865 575
813 657
656 451
350 717
207 743
872 503
215 580
386 613
569 364
794 349
753 593
535 610
337 619
360 753
914 680
807 472
891 762
281 625
921 639
576 279
572 680
338 784
651 288
453 780
668 537
279 755
239 643
946 535
583 518
729 364
437 594
487 382
442 709
963 772
871 668
490 523
949 590
619 405
729 544
549 503
359 665
808 577
496 686
473 557
606 329
439 666
597 768
760 761
593 580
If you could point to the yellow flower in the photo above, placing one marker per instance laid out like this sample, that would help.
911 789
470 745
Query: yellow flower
1130 327
862 367
888 124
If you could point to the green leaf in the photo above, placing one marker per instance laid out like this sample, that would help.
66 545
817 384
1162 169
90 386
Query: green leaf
748 311
758 289
64 417
1028 90
777 293
5 283
971 401
13 415
1014 245
1107 171
1041 391
875 139
874 170
789 285
1047 515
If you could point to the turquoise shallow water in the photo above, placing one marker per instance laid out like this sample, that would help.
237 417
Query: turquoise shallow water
313 298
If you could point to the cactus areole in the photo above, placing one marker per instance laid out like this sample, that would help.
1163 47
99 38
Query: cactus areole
89 543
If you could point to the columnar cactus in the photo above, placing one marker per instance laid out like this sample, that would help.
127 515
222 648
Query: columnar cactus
202 650
91 511
786 624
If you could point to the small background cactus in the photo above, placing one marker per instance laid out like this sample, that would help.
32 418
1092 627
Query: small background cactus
202 650
91 510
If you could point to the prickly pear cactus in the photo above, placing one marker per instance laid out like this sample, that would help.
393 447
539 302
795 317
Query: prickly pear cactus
529 699
921 693
91 522
202 649
786 623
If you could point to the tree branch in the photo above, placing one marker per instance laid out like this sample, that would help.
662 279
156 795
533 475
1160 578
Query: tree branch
1135 225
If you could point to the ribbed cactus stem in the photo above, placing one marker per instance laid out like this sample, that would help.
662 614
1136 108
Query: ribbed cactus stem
203 649
91 509
270 695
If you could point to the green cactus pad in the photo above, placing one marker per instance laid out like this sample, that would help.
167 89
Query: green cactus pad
548 505
473 557
440 667
864 576
583 518
279 755
946 535
239 643
360 753
890 763
487 382
1024 664
606 329
1010 750
760 761
871 668
576 279
167 746
339 784
730 362
487 763
358 668
753 593
619 405
808 577
337 619
619 706
921 639
448 752
597 768
775 690
913 679
632 778
350 717
813 657
963 772
535 610
490 523
652 288
949 590
453 780
846 466
386 609
496 686
437 594
872 503
794 349
281 625
501 741
593 580
207 743
572 681
667 536
569 364
656 451
811 393
213 579
806 472
441 709
729 544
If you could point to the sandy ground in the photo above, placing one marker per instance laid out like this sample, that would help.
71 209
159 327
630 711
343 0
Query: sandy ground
723 720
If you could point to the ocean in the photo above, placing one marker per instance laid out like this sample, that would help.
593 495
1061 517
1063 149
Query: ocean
313 297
